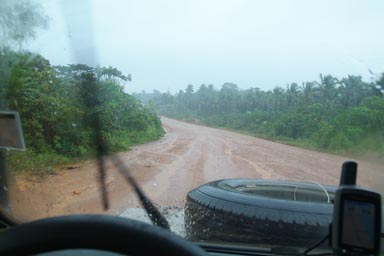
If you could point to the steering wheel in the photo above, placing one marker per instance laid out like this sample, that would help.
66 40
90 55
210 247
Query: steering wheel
100 232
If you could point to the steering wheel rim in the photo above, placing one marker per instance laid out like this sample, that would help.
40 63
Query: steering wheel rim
100 232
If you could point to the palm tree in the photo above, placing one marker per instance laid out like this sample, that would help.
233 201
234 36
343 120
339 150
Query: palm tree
278 98
308 92
292 93
352 90
327 89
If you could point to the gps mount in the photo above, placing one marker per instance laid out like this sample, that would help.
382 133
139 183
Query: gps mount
356 227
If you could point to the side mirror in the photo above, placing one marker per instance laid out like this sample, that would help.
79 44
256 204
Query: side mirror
11 138
11 134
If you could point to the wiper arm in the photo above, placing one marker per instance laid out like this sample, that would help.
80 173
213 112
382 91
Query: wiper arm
102 176
92 100
153 213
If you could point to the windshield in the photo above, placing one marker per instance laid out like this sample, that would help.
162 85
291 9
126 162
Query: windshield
233 117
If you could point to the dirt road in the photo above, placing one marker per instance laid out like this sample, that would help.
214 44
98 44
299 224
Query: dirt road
188 156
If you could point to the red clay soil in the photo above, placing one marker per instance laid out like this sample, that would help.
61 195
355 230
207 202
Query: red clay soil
186 157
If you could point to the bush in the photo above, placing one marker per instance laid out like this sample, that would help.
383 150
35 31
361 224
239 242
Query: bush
65 109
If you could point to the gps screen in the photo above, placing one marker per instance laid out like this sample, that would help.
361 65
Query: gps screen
358 224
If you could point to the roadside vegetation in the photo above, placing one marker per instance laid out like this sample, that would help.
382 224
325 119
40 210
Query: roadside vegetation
338 115
58 106
63 108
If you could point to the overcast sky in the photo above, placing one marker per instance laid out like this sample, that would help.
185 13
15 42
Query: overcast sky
167 45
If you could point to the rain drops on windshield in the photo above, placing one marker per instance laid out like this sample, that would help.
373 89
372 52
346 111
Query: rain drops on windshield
139 108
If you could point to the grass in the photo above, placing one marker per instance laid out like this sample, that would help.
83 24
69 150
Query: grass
31 162
50 162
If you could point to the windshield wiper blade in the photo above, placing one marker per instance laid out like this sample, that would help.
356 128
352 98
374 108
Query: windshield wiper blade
153 213
91 100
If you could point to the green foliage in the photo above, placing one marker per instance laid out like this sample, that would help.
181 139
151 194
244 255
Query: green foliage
19 21
38 163
340 115
65 109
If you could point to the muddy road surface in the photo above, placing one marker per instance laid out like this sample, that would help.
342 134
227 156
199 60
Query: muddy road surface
186 157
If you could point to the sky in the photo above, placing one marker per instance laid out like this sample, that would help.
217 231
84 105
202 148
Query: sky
167 44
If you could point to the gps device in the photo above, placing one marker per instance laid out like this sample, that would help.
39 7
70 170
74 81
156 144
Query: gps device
356 227
11 135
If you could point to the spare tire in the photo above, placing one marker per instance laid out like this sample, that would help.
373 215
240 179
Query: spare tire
260 212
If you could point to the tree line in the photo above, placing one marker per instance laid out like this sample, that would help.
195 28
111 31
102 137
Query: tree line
59 107
343 115
63 109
